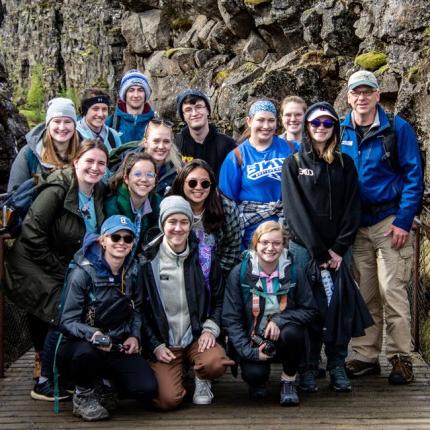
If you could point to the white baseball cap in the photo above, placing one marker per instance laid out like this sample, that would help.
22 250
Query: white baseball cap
362 77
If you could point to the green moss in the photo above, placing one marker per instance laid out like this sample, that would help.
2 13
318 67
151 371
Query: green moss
70 93
33 117
257 2
371 60
221 75
181 23
411 72
169 53
313 56
427 31
382 70
36 92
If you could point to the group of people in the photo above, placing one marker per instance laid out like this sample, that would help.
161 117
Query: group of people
145 255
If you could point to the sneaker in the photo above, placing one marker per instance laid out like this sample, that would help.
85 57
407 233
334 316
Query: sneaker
339 381
107 396
257 393
355 368
87 406
202 394
289 396
307 381
45 391
402 372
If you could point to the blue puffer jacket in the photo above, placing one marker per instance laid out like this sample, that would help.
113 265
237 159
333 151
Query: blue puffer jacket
379 183
130 127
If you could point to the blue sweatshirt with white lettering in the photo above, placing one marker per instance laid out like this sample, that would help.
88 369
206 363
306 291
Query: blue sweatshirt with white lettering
258 178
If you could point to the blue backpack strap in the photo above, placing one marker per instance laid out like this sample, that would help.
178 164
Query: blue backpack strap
32 161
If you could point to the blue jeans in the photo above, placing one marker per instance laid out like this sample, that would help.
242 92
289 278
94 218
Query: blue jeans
336 354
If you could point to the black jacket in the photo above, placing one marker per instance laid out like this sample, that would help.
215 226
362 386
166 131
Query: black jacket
213 150
347 316
237 315
201 304
91 289
321 200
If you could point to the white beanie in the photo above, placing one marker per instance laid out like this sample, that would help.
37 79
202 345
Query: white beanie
60 106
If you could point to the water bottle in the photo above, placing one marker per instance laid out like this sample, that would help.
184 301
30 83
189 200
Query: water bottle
327 282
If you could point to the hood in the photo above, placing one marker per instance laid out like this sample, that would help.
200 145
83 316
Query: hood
306 146
35 134
146 115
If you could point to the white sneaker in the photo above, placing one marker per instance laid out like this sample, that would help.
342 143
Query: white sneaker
203 394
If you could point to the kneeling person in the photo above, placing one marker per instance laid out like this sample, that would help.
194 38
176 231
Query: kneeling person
266 312
101 321
182 318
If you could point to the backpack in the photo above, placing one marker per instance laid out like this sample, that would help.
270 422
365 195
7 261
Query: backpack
15 205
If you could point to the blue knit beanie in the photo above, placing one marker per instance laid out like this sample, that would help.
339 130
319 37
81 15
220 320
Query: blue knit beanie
134 77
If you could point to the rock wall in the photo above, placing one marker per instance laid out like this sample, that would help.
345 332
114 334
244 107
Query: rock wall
235 50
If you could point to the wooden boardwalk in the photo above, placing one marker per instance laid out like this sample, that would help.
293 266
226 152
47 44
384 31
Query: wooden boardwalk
373 404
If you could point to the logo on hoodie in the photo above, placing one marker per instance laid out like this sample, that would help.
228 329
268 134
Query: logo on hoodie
305 172
271 168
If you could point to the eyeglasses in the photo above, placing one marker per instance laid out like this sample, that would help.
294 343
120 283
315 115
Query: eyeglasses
147 175
364 93
161 121
127 238
189 109
274 243
326 123
192 183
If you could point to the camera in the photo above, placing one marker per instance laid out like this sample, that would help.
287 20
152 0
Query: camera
101 340
269 349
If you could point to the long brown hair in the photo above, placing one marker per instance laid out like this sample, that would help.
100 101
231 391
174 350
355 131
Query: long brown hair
87 145
49 154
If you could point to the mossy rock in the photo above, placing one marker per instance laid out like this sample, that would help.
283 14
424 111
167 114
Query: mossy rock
427 31
221 75
410 74
181 23
257 2
371 60
169 53
382 70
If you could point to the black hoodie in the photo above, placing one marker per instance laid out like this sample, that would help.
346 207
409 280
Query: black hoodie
321 200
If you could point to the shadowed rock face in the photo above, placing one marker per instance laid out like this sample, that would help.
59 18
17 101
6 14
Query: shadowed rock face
235 50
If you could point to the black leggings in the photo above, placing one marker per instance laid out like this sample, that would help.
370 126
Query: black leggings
289 351
84 364
38 330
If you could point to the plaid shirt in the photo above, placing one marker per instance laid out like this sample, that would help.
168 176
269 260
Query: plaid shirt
256 212
230 237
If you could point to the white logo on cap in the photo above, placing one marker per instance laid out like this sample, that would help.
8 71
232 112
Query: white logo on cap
123 220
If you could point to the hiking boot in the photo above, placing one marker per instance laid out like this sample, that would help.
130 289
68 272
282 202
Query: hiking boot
339 381
307 381
37 369
45 391
257 392
87 406
202 393
355 368
402 372
288 395
106 395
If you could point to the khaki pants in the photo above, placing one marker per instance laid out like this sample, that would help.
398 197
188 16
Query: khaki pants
383 274
210 364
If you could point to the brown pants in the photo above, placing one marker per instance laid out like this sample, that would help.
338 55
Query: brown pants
210 364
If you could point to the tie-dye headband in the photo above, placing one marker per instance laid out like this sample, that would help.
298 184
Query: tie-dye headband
262 106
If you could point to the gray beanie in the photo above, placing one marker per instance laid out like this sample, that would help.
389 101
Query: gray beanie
60 106
174 205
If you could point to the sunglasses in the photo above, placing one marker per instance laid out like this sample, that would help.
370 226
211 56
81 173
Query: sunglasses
192 183
127 238
327 123
161 121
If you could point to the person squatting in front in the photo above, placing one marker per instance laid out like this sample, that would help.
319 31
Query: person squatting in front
182 313
266 312
322 208
101 322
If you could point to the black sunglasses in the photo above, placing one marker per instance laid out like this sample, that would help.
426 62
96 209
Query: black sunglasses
192 183
127 238
327 123
159 121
